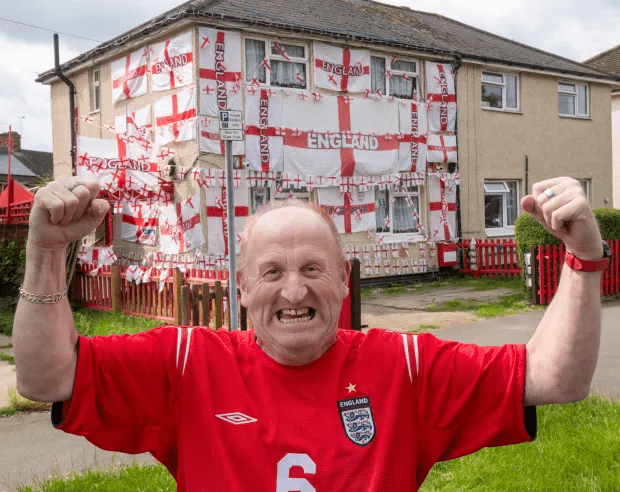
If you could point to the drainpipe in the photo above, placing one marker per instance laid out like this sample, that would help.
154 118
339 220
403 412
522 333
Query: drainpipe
527 171
62 77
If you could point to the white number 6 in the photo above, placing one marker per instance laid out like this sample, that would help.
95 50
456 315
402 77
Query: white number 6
287 484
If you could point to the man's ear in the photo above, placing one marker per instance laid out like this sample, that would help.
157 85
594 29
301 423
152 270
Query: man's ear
242 286
346 273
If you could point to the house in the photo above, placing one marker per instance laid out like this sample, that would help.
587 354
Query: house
609 62
412 130
28 167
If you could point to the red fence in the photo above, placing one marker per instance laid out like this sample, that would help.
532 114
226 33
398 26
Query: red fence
493 257
549 261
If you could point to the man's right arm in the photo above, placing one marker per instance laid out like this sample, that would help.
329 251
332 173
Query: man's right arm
44 336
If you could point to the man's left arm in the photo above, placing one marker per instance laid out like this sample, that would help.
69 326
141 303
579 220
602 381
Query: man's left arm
562 353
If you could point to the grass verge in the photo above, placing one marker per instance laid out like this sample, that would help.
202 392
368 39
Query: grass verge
577 449
19 404
7 358
514 303
92 323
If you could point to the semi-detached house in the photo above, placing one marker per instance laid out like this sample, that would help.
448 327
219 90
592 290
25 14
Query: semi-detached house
409 128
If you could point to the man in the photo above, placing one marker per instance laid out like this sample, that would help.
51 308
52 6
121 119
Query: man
297 405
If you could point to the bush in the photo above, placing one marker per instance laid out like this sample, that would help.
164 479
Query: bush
12 267
609 222
6 318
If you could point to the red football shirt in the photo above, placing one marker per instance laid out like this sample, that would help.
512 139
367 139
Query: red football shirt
374 413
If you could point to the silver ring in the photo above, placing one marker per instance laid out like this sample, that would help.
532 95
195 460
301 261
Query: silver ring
549 192
75 186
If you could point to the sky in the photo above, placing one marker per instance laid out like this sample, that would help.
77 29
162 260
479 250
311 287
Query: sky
573 29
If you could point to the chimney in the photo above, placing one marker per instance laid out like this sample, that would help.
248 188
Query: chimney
16 140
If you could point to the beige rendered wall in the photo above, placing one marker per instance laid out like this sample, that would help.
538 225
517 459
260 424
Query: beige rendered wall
615 143
494 144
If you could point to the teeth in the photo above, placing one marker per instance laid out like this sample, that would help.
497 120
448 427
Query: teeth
296 312
295 315
296 320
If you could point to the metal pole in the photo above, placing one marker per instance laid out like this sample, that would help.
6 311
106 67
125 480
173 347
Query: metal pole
9 180
232 257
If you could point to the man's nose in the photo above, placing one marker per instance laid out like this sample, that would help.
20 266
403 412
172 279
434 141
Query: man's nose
294 289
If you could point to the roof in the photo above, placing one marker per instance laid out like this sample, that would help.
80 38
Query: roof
353 20
40 163
18 168
20 195
607 61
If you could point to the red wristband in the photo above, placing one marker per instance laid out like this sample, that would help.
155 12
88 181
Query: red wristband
586 265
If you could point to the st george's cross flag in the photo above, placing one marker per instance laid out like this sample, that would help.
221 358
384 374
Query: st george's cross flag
175 117
220 70
172 63
210 141
216 198
441 117
340 136
440 96
441 148
180 229
352 211
129 76
442 206
139 223
264 132
340 68
412 137
136 127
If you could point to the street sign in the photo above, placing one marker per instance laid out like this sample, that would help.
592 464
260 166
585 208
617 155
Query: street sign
231 126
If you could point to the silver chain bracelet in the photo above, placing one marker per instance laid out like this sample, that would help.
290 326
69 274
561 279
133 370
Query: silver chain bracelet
44 299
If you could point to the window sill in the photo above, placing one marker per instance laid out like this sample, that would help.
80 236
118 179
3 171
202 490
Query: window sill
574 117
502 110
500 232
401 238
96 111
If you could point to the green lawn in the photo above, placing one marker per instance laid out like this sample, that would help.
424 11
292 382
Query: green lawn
577 449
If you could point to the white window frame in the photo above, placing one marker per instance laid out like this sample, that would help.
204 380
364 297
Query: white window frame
278 194
390 235
575 95
271 57
504 230
388 68
95 90
503 86
586 184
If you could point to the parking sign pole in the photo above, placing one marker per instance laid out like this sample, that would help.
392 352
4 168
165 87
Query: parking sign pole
232 257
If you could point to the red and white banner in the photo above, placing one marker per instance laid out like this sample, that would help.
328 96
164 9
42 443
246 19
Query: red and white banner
136 127
210 138
441 148
220 70
442 206
341 69
180 229
351 212
264 131
172 63
413 136
340 136
439 82
175 117
442 116
140 223
113 164
217 216
129 76
97 256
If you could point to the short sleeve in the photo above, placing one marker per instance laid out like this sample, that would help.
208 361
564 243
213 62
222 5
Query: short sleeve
125 392
470 397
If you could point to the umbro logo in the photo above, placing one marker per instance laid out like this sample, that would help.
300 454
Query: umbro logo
236 418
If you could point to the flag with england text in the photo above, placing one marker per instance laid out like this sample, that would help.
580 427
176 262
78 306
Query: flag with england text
216 199
175 117
442 205
180 229
139 223
352 211
440 96
264 131
220 70
341 68
129 76
339 135
413 136
172 63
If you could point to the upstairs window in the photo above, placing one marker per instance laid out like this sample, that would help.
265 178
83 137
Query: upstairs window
395 211
501 207
573 99
261 195
283 65
393 77
95 91
500 91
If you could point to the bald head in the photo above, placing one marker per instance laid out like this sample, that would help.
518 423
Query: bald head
267 210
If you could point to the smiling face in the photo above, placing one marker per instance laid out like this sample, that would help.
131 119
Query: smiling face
293 284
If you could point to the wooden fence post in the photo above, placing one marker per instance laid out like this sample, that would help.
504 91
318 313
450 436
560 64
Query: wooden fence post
177 283
115 284
196 305
218 304
355 288
205 320
185 305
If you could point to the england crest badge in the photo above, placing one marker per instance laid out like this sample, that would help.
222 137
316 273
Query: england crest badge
356 416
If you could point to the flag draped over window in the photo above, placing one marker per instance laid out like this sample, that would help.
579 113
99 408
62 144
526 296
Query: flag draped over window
140 223
442 198
413 136
352 211
129 76
216 199
175 117
180 229
172 63
264 131
341 69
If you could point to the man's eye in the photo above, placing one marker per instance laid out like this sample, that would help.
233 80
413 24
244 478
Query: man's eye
272 271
